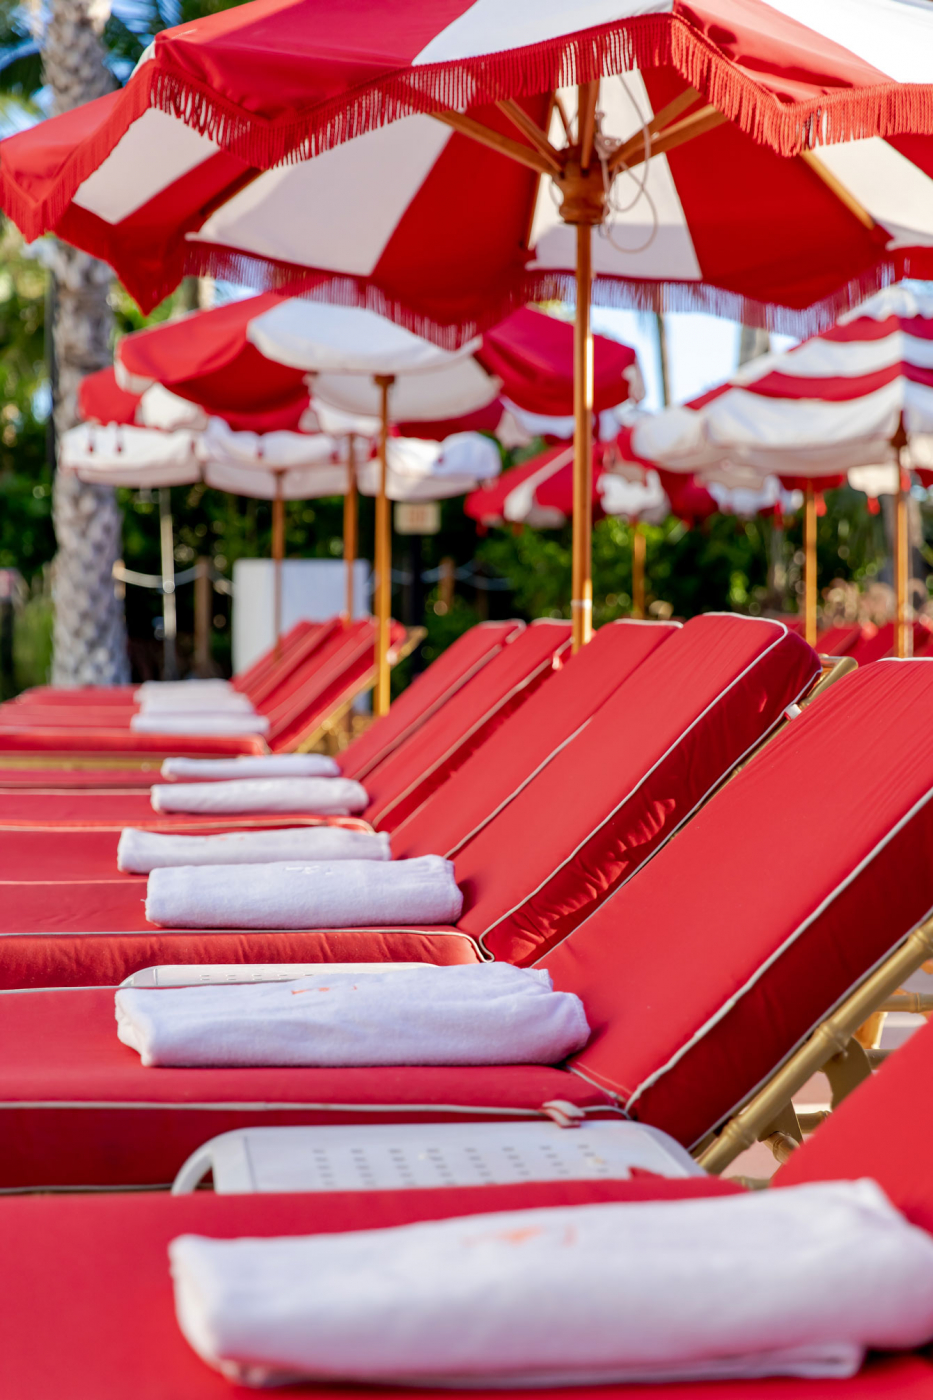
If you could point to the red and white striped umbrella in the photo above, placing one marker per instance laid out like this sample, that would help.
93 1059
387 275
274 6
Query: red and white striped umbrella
857 396
165 175
678 159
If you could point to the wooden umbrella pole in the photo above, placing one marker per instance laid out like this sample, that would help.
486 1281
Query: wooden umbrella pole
903 629
350 526
809 562
169 615
383 556
582 576
278 554
638 570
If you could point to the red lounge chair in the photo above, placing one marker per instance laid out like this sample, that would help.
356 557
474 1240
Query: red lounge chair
519 749
882 1130
89 1311
462 660
426 694
124 694
300 709
407 777
419 763
584 824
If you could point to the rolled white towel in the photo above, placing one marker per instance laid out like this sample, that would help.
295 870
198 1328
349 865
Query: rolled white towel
572 1295
485 1014
197 702
317 894
212 686
223 726
326 797
139 852
270 765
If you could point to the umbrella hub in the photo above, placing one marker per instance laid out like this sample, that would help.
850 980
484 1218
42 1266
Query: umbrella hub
584 197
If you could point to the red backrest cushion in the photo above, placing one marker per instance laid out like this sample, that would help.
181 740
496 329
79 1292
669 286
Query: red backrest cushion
243 680
336 676
802 874
525 743
624 784
407 777
308 644
426 694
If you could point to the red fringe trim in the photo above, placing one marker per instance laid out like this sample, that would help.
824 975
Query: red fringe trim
642 42
615 293
646 41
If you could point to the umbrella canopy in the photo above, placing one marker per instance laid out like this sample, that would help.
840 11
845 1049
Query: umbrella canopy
165 175
830 404
539 493
855 397
125 455
355 359
254 355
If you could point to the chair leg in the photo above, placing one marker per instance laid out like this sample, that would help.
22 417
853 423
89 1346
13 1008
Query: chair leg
830 1039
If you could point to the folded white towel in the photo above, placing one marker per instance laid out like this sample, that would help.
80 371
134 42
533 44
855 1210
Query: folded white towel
319 894
328 797
213 686
139 852
594 1294
197 702
270 765
485 1014
199 724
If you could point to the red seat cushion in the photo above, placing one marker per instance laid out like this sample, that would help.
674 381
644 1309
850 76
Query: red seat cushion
455 666
628 780
44 809
49 740
89 1312
813 864
112 945
883 1130
57 779
79 1109
525 743
427 758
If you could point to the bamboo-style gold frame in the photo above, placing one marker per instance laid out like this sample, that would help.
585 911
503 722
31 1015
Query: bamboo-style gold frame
833 1040
330 726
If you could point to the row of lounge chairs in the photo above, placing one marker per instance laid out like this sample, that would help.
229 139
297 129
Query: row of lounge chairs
696 830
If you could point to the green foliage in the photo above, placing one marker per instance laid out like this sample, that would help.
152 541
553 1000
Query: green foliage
723 563
32 642
20 60
26 538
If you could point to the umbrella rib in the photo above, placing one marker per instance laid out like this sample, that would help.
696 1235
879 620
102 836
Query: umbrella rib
836 187
520 118
586 121
658 122
707 119
525 155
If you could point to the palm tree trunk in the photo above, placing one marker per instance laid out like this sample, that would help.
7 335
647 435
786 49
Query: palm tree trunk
90 631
